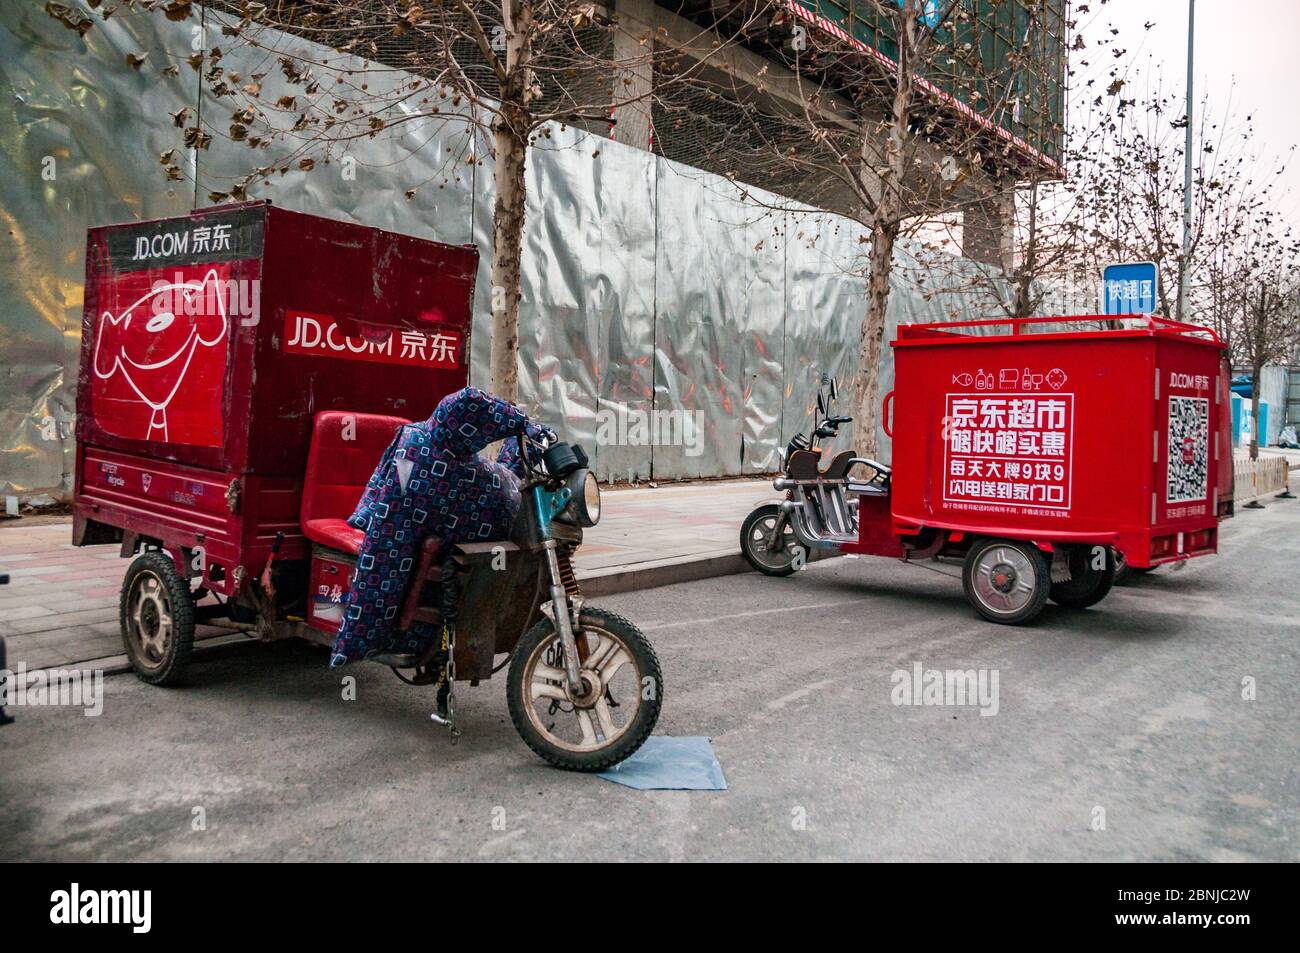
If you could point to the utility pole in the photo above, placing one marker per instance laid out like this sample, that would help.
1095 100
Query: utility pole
1187 168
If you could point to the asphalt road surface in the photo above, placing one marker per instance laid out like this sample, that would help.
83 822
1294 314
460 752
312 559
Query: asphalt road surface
1124 732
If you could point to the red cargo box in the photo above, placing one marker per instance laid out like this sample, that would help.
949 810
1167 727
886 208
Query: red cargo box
1088 435
209 343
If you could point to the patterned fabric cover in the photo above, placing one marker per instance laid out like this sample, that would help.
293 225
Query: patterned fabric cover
430 480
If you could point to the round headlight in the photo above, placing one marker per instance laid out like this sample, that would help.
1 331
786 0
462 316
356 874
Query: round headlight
584 503
591 499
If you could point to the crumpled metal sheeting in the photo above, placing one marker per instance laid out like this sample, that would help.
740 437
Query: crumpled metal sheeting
76 102
366 180
645 287
618 259
558 333
762 331
480 229
825 305
717 268
586 312
1274 383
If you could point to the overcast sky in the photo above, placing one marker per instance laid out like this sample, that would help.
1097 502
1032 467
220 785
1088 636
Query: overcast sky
1247 59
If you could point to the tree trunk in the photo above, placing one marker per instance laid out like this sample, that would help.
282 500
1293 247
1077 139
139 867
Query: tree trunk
1028 271
510 139
507 247
1255 374
1023 305
866 391
885 224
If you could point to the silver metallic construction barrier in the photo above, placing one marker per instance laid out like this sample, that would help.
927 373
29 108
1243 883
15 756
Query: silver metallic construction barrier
673 328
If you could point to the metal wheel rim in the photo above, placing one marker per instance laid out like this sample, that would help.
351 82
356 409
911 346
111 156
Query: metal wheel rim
759 530
599 726
1004 596
149 618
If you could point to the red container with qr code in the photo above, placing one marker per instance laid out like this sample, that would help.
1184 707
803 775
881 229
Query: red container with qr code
211 343
1107 431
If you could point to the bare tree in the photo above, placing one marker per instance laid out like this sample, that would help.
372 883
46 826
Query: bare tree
1268 326
513 69
888 140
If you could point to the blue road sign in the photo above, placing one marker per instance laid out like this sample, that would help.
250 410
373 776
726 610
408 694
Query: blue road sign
1129 288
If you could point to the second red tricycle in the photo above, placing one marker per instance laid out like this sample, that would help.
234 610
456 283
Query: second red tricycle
1040 451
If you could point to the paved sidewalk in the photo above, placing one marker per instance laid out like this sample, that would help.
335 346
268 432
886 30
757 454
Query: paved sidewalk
60 607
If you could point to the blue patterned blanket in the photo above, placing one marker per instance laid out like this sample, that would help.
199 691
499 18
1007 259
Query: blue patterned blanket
430 481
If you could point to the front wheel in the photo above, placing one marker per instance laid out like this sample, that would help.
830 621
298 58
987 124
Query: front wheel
1092 573
1006 581
157 619
770 556
617 709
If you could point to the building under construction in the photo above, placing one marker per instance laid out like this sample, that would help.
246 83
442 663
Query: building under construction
649 282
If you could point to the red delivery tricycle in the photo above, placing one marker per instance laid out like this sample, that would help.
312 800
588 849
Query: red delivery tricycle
1037 450
242 371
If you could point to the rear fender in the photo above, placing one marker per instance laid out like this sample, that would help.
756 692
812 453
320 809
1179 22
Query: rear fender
181 557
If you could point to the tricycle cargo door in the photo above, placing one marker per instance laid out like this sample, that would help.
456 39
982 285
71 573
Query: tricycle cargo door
1188 410
163 304
1042 437
1223 446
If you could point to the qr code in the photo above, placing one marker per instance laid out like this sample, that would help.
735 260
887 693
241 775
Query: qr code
1189 449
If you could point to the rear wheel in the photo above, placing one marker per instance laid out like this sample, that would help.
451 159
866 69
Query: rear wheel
619 705
1124 572
1006 581
1092 573
157 619
772 557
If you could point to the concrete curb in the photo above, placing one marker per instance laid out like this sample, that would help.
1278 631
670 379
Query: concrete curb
205 646
661 572
669 572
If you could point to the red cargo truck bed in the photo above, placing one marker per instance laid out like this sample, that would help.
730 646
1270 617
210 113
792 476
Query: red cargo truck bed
1092 434
209 343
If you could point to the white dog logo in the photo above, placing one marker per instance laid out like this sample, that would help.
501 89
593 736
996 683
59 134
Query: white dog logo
151 343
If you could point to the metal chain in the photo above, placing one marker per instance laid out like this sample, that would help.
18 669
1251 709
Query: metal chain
448 599
450 674
446 715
